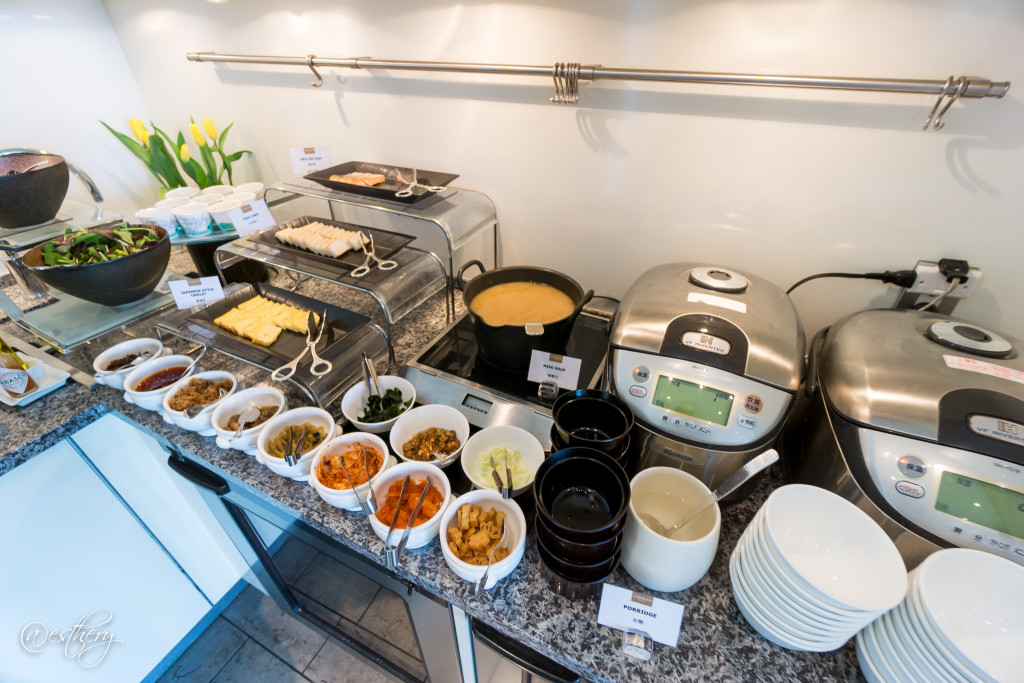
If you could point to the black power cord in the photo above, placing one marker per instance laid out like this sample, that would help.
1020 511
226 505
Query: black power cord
902 278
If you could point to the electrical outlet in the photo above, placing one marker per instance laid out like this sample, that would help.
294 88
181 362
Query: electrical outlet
931 282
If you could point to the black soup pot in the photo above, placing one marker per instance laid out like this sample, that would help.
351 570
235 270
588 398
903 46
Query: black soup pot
509 347
32 188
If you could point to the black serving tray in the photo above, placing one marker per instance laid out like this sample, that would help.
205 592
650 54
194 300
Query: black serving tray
385 243
389 187
288 344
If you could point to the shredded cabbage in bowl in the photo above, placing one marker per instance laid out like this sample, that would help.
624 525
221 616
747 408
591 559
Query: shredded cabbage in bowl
521 471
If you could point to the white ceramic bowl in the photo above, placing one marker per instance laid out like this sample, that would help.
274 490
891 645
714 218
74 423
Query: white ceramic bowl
222 209
975 601
171 203
666 564
515 527
234 405
353 403
345 498
475 452
115 380
183 192
423 534
300 470
202 422
160 216
255 188
218 189
833 549
419 419
153 400
194 218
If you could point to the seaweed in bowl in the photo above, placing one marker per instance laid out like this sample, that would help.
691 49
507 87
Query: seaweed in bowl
386 407
83 247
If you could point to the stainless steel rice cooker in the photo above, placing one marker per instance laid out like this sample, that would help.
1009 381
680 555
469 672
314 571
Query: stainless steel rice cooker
918 418
709 360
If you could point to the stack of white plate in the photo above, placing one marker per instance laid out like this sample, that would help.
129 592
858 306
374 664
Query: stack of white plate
811 570
962 620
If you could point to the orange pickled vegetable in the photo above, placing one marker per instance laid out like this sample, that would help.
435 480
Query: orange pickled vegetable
431 506
331 474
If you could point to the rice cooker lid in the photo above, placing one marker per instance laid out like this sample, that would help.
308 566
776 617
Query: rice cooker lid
717 316
925 375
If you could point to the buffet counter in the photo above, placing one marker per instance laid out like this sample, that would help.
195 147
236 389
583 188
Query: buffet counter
715 643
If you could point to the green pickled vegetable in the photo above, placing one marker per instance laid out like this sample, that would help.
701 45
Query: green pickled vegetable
381 408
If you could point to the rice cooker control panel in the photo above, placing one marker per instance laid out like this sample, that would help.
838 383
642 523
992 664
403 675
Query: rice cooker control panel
965 498
697 402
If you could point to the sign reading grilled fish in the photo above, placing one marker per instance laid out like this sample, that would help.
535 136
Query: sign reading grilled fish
308 159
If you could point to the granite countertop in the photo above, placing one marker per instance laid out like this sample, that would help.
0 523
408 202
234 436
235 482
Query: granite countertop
715 644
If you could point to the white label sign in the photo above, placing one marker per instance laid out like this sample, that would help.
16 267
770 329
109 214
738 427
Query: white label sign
983 368
189 293
308 159
628 611
252 216
550 367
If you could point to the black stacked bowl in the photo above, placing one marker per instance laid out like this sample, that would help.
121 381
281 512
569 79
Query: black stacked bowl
582 495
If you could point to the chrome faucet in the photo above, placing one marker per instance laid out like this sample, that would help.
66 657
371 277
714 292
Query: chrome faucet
82 175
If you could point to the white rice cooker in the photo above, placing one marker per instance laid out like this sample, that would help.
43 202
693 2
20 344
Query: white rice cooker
918 418
709 360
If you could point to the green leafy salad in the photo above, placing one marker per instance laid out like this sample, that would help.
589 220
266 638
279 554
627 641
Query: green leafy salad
83 247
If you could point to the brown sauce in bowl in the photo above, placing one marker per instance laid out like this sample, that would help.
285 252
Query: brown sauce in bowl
161 379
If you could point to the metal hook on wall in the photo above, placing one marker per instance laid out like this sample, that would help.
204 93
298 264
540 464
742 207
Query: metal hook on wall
567 82
961 88
319 79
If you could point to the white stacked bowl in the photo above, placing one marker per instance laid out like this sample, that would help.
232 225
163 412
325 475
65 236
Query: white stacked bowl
962 620
423 534
234 405
318 417
346 498
515 528
202 423
811 570
116 379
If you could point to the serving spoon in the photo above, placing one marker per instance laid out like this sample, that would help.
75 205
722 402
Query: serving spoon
740 477
193 411
143 357
246 416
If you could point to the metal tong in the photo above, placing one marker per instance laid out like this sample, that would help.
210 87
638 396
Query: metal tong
506 491
371 260
392 553
413 184
369 505
293 443
288 369
370 377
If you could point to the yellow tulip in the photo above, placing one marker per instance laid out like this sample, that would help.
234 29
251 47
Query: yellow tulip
210 130
183 153
197 134
145 138
138 128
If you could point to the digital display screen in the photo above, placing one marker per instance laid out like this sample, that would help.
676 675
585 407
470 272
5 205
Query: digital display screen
477 403
693 400
980 502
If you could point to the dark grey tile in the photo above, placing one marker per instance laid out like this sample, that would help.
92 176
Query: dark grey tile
293 557
207 655
283 634
253 664
337 664
311 605
410 662
388 618
334 585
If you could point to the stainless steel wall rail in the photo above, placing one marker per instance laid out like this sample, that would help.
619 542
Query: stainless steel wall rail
567 75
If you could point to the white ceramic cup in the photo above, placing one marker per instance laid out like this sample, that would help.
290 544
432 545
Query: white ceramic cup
160 216
208 199
183 192
221 210
242 197
657 562
171 203
194 218
218 189
255 188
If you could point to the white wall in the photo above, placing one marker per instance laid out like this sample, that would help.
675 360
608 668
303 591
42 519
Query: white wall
781 183
64 71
